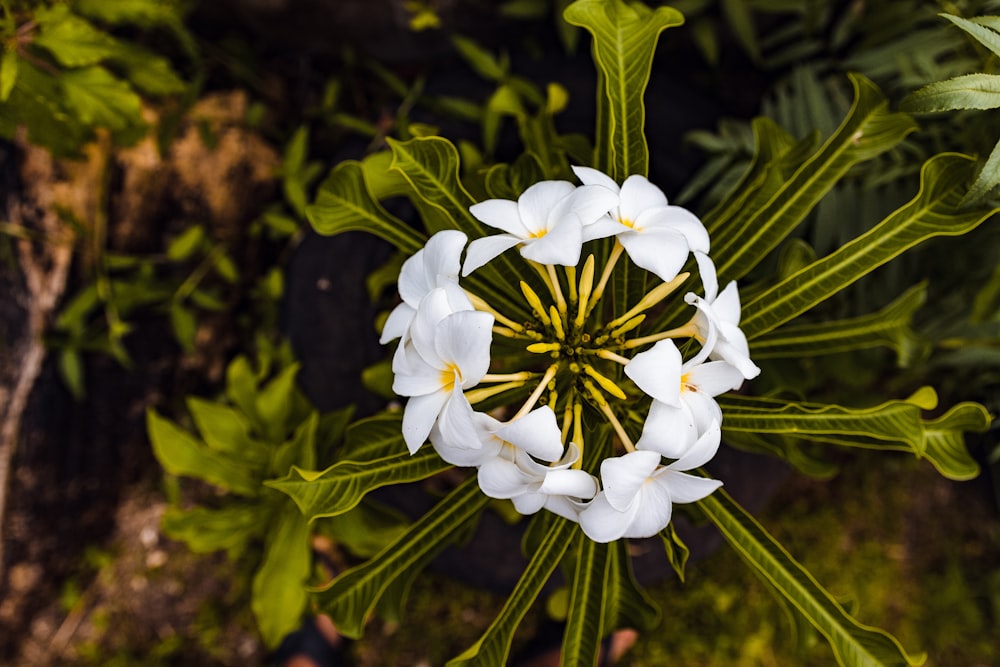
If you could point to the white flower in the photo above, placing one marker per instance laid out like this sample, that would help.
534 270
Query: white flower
718 317
639 493
447 353
656 236
531 485
684 406
435 265
546 221
536 433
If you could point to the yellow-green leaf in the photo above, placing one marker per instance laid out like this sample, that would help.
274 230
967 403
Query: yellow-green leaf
853 644
625 36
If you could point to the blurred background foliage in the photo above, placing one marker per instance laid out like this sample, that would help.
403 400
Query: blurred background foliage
145 75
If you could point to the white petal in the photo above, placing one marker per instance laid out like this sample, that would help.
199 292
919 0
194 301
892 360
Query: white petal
413 284
464 339
502 214
733 349
727 304
603 228
455 422
709 277
536 203
669 431
624 475
590 202
484 250
397 323
704 411
420 382
590 176
565 507
433 309
443 256
701 452
537 433
573 483
655 510
713 378
499 478
561 245
638 195
603 523
419 416
657 372
686 488
681 221
529 503
659 251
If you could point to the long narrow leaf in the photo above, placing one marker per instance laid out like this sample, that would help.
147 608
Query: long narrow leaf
586 623
933 212
888 327
868 130
492 648
970 91
625 37
344 203
894 425
351 596
341 487
853 644
980 29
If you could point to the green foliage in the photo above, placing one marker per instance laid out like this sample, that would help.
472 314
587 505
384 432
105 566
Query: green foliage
63 76
261 430
783 183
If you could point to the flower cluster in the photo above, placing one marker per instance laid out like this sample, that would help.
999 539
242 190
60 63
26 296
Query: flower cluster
576 361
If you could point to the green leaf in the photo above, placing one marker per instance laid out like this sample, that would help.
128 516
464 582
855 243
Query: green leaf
147 71
299 450
72 373
279 593
274 403
72 40
492 648
677 551
350 597
979 28
182 454
184 325
970 91
341 487
869 130
481 60
741 22
374 437
366 529
934 211
99 98
894 425
587 622
986 181
144 13
430 165
8 74
344 203
853 644
888 327
207 530
625 37
241 390
186 244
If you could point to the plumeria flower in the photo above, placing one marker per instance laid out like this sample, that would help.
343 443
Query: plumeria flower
639 493
530 485
447 353
433 266
546 221
684 406
656 236
719 317
537 433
